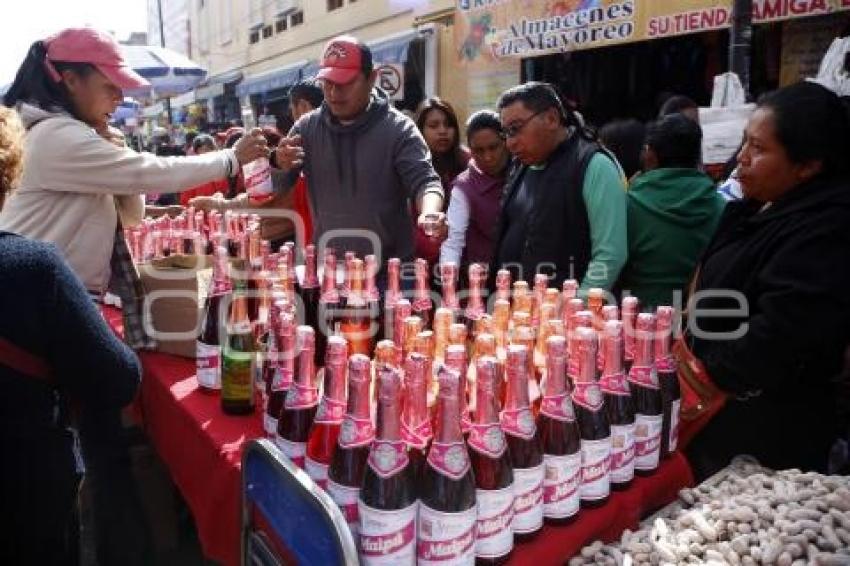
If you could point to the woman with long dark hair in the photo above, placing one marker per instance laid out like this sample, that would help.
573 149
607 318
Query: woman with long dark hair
437 121
774 286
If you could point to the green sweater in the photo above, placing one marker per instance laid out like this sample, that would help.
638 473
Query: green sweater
672 214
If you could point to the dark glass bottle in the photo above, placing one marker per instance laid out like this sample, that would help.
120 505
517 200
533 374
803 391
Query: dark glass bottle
348 463
326 425
330 307
475 308
561 437
310 293
668 380
618 405
646 396
447 510
283 375
593 422
356 326
525 445
391 297
628 314
208 347
388 502
422 304
238 360
302 400
492 468
416 430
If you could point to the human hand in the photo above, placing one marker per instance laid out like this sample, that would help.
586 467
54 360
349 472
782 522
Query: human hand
206 204
251 147
290 153
434 225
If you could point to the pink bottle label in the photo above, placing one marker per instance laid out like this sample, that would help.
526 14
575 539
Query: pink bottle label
595 469
346 499
558 407
445 537
647 441
622 453
561 484
330 412
387 537
295 451
301 397
418 436
519 423
615 384
317 471
644 376
665 363
528 500
356 432
387 458
487 439
494 537
451 459
282 379
588 395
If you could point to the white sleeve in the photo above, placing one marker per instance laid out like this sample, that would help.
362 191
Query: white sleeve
70 157
458 219
131 209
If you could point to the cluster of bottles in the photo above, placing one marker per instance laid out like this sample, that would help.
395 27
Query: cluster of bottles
192 232
444 434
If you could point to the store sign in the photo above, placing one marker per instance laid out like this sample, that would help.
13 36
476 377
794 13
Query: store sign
498 29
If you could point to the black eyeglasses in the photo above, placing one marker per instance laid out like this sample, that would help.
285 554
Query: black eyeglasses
514 129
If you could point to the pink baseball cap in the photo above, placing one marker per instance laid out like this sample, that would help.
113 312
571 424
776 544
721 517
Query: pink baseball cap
87 45
344 58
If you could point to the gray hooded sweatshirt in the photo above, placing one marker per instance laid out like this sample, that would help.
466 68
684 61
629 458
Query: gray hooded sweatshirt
363 177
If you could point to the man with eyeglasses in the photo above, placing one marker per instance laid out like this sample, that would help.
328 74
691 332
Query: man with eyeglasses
363 160
564 210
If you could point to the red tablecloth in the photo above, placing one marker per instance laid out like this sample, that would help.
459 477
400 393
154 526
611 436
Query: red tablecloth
202 448
556 544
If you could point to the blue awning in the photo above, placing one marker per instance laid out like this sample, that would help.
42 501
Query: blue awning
272 80
392 49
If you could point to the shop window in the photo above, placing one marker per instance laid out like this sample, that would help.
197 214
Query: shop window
254 37
296 19
268 31
280 25
334 4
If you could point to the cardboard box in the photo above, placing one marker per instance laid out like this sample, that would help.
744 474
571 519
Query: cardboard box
175 289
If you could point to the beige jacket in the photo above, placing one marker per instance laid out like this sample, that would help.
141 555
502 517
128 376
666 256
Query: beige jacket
75 183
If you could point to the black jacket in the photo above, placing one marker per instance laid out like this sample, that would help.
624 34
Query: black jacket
555 237
791 264
45 311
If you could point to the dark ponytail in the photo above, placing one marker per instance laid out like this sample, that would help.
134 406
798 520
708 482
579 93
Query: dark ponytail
35 86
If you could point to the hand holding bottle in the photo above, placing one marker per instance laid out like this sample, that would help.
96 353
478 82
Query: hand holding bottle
251 147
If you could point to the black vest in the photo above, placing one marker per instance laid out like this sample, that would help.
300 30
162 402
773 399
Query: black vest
557 231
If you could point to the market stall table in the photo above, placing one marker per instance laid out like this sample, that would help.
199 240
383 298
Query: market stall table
202 447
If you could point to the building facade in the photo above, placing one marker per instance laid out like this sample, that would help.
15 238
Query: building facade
255 50
175 25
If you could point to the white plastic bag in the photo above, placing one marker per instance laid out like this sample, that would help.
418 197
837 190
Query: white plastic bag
728 91
832 73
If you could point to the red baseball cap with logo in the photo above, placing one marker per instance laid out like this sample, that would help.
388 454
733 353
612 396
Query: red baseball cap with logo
344 57
87 45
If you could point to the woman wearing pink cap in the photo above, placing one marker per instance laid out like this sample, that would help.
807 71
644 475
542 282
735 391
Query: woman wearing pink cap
79 185
76 182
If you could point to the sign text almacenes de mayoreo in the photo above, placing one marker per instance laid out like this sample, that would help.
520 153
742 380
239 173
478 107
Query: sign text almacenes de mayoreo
523 28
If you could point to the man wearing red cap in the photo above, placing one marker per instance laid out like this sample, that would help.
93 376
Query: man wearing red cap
363 160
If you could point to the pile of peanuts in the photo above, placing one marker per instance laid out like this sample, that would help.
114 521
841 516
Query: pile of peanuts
750 515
